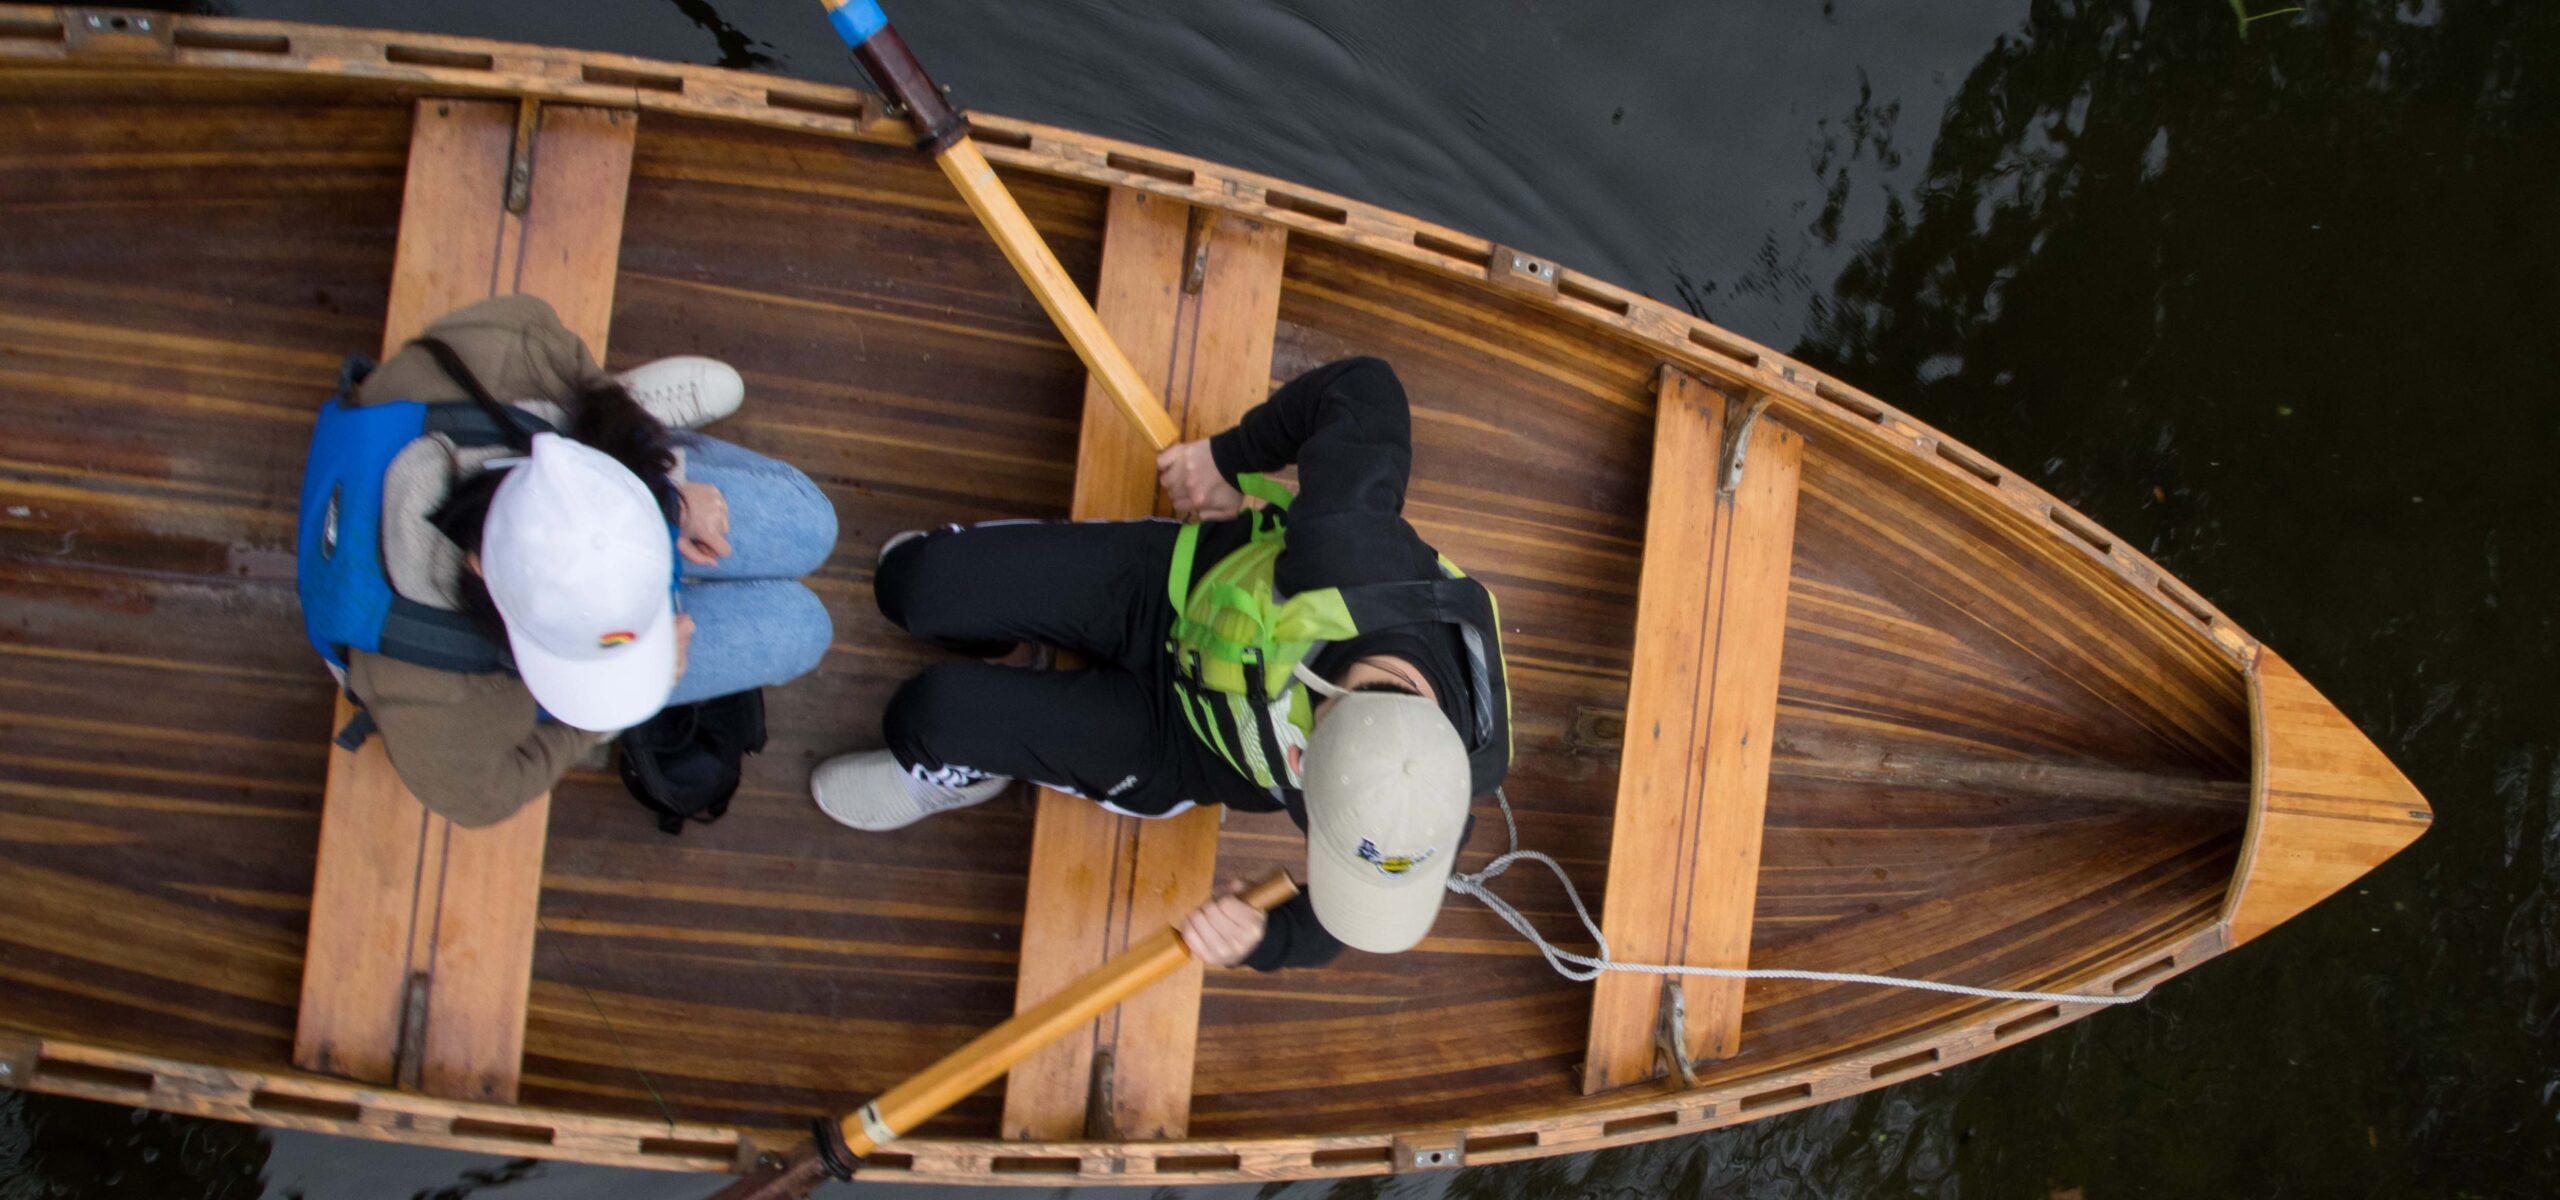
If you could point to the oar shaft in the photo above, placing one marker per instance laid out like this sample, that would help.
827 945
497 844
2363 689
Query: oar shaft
1065 302
900 1109
973 1066
942 132
994 1052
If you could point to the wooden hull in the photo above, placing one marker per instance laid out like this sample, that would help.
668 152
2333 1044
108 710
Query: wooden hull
2009 752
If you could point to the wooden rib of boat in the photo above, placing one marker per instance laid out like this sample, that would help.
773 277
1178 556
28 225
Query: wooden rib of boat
2000 746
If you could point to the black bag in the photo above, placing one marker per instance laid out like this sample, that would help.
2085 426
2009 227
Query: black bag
683 764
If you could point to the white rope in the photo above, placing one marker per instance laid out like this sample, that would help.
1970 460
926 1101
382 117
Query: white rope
1585 968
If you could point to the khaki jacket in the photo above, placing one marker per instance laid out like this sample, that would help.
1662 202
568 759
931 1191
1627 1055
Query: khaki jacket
473 748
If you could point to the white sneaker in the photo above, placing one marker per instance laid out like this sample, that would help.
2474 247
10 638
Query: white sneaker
687 391
871 791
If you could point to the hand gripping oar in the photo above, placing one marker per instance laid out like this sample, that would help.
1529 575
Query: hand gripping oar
944 134
840 1144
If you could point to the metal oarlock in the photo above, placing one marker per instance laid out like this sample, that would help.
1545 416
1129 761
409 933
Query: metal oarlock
1737 442
833 1152
1671 1033
882 53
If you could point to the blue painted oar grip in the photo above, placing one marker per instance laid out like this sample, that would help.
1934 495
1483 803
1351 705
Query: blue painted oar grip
857 20
884 55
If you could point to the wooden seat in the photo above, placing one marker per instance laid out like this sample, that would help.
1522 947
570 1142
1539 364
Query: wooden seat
1702 702
421 943
1194 299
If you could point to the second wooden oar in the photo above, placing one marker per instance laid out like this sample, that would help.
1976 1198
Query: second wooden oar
944 134
842 1143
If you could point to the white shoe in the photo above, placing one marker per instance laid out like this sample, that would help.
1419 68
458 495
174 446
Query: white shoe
687 391
871 791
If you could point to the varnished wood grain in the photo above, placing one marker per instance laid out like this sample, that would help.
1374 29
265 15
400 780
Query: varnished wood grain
571 233
374 848
455 229
1097 879
184 267
2003 754
402 65
1702 704
2329 805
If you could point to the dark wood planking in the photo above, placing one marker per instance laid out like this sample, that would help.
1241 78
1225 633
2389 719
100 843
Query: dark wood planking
327 58
183 270
2011 656
960 414
2065 908
1564 566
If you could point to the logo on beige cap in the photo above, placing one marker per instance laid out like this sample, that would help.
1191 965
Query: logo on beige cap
1393 864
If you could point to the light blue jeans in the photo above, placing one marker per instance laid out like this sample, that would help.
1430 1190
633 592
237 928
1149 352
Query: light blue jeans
755 624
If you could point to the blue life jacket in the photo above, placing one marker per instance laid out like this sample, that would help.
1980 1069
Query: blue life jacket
347 599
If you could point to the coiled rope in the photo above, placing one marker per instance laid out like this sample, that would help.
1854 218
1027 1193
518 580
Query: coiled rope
1585 968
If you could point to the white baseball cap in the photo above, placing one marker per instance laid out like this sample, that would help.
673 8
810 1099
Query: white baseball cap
1386 786
577 555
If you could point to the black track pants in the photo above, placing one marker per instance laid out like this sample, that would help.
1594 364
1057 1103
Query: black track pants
1109 731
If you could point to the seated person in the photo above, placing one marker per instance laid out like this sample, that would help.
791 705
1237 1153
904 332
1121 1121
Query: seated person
530 574
1314 656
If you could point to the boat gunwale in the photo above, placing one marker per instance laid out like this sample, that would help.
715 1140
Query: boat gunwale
2257 820
287 1099
420 62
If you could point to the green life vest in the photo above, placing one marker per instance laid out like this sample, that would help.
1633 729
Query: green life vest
1236 642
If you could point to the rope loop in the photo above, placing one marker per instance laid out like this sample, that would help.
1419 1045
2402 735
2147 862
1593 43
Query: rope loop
1583 968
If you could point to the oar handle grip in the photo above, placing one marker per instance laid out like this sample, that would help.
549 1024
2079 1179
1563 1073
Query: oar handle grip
884 54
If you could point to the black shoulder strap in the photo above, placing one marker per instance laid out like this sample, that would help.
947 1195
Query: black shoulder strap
440 638
1463 602
509 427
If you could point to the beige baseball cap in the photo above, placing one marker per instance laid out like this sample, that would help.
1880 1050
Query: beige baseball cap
1386 787
578 557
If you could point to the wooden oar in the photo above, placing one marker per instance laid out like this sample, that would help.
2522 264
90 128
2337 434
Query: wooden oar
842 1143
944 134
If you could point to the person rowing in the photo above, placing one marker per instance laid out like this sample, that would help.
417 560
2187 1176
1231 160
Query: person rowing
1311 655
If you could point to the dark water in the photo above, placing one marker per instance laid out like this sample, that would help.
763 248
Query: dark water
2277 304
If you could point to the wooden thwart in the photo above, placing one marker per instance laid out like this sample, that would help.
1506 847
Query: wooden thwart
1097 879
1702 702
421 944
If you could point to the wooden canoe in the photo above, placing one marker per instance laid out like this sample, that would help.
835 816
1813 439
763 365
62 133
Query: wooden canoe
1995 745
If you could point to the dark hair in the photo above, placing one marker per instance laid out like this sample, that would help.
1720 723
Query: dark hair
604 416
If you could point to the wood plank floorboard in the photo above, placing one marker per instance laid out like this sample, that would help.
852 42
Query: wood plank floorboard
157 376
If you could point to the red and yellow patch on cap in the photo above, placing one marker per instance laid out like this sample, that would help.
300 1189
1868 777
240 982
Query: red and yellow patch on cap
616 638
